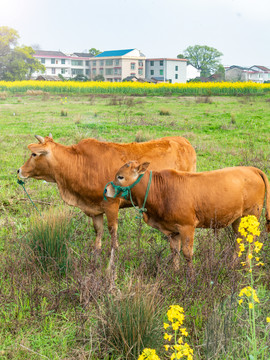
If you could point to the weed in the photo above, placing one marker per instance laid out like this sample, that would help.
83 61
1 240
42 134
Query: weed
164 112
141 136
63 112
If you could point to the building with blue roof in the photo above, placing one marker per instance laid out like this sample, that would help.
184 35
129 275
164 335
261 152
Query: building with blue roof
116 65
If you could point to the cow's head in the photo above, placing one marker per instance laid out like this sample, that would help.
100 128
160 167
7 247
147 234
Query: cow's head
38 165
126 176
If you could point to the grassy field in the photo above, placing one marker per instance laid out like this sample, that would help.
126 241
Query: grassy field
47 314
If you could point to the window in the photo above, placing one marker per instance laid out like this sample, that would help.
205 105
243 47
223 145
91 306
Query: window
140 63
109 62
101 62
101 71
117 71
152 72
52 61
42 61
87 63
161 72
94 72
63 71
76 71
53 71
151 63
94 63
116 62
176 68
77 62
140 71
87 71
176 76
161 63
109 71
63 61
132 66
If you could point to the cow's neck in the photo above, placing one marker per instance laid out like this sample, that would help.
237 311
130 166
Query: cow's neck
139 191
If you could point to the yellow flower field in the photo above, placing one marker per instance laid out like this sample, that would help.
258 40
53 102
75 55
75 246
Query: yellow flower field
137 88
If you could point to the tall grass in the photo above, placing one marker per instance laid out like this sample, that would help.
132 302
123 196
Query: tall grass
130 321
48 237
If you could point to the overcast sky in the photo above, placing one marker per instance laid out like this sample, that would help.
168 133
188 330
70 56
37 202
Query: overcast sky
159 28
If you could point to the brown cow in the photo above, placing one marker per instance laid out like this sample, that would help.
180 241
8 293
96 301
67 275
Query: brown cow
82 170
179 202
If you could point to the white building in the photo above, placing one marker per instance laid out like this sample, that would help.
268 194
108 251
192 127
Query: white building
166 70
68 66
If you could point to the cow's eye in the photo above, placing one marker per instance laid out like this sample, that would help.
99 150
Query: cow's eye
33 154
120 177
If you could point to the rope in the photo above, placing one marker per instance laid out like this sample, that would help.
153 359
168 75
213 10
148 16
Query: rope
126 193
20 182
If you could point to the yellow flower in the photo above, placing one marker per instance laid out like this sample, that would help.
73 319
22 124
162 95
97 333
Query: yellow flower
165 325
268 319
184 332
250 256
167 347
250 305
167 337
240 301
260 264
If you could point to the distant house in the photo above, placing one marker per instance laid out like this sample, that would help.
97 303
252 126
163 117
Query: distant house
166 70
254 73
117 65
68 65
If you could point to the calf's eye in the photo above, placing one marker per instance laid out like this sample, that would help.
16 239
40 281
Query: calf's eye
120 177
33 154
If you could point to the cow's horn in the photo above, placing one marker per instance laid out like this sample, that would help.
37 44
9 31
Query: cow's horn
40 139
50 135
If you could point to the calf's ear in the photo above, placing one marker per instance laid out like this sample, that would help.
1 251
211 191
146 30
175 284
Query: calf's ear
141 169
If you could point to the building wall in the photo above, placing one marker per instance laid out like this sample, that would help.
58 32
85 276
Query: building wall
117 68
172 70
68 66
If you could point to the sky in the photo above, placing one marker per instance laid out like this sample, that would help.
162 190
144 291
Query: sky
239 29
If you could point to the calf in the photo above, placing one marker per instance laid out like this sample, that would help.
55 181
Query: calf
178 202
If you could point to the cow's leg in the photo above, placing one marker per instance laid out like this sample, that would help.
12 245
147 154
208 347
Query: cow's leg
98 226
187 239
175 245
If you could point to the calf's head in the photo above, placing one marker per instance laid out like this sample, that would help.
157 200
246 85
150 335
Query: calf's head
125 176
38 165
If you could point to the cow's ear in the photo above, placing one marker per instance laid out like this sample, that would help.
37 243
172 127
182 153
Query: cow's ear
141 169
38 149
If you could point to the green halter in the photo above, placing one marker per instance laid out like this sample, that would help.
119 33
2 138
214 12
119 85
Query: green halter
125 192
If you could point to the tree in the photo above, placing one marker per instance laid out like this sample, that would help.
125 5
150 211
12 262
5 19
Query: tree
94 52
99 78
204 58
16 63
8 39
20 64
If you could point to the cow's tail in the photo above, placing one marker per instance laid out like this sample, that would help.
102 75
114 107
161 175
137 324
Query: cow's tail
267 201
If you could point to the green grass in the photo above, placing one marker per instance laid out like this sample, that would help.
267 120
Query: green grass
43 315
